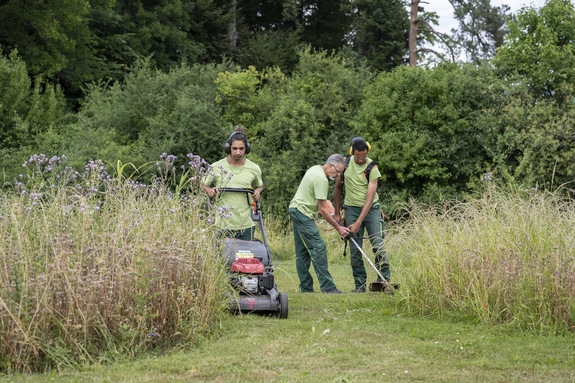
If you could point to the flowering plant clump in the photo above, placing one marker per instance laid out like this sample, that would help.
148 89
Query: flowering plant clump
94 265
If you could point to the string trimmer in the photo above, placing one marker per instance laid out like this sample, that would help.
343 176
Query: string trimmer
384 285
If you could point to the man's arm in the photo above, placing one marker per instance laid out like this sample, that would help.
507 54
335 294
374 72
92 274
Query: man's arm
342 230
258 192
211 191
337 198
371 189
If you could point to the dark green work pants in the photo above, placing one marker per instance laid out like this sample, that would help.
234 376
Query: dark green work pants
374 225
309 249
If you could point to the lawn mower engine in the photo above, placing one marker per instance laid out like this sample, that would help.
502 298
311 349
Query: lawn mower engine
249 276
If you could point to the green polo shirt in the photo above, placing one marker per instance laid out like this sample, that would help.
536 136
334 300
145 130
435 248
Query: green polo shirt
236 205
355 183
312 187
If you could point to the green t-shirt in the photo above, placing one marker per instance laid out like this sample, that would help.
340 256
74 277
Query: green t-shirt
355 183
234 205
312 187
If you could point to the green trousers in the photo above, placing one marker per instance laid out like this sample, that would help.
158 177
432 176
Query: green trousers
309 249
246 234
374 225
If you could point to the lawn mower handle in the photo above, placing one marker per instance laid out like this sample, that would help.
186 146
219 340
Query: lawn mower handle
256 211
256 216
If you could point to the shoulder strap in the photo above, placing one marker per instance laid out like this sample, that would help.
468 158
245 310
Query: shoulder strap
367 170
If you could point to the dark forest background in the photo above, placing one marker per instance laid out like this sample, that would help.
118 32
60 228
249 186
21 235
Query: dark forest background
130 80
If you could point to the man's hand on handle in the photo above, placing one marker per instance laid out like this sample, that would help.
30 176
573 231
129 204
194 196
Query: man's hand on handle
212 192
257 194
337 218
343 231
355 227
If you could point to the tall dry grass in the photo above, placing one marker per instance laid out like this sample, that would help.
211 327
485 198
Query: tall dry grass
502 257
93 268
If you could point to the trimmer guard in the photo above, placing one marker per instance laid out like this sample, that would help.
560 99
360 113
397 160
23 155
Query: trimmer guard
380 287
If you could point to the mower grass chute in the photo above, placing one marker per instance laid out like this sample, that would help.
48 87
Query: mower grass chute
251 269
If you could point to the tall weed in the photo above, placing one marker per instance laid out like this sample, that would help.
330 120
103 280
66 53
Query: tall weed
502 257
94 267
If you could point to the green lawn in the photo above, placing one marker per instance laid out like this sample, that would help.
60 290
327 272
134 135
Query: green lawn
346 338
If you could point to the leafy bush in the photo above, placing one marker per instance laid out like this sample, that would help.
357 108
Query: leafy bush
150 113
294 123
540 51
534 114
427 128
26 110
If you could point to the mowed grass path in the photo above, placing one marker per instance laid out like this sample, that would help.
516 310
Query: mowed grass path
346 338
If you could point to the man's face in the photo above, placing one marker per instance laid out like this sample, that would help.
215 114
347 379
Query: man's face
238 149
360 157
334 171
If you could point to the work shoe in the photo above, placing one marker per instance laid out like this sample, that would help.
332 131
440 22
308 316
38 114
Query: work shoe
358 290
332 291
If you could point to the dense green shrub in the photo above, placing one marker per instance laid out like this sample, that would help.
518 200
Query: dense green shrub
535 113
26 110
148 114
426 127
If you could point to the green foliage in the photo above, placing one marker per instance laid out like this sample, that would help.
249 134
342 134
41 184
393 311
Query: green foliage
540 50
26 110
533 140
426 127
381 32
297 122
50 36
269 49
175 30
237 92
325 24
148 114
76 42
535 113
481 27
62 40
308 122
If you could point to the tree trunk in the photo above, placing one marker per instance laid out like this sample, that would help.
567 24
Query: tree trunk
233 33
413 34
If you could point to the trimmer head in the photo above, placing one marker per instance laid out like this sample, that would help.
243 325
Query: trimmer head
384 287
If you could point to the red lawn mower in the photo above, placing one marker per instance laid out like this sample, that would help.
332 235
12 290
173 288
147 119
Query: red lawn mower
251 269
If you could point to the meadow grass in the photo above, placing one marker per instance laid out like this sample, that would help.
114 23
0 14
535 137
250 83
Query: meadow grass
93 268
500 257
504 257
343 338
